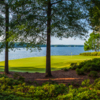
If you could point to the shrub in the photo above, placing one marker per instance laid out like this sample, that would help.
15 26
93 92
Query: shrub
93 74
16 75
21 79
65 69
80 71
3 75
36 83
86 54
73 66
90 54
29 82
89 65
49 91
85 82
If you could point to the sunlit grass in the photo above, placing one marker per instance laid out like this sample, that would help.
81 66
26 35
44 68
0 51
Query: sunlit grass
38 64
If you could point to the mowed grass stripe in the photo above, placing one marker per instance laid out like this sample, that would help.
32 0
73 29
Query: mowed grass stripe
38 64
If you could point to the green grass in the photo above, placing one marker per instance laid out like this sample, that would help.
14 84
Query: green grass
38 64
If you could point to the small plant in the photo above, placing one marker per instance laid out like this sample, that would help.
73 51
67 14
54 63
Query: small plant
73 66
85 82
52 82
65 69
72 83
93 74
16 75
80 71
76 84
29 82
21 79
3 75
69 84
36 83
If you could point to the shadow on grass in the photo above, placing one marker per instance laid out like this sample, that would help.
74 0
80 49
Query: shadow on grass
1 68
29 69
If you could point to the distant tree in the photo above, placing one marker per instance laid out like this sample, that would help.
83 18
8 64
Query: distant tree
93 42
59 18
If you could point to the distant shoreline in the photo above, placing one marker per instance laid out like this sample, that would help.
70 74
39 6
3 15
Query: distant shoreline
63 45
22 45
16 46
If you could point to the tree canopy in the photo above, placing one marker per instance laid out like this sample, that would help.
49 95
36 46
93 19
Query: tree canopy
93 7
40 19
93 42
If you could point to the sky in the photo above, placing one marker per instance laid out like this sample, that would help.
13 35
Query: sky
65 41
68 41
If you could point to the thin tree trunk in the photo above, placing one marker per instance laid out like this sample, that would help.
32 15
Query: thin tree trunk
6 37
48 62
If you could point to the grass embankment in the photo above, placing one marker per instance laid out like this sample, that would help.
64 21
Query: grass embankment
38 64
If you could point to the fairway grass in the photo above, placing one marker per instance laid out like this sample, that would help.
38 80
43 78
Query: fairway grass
38 64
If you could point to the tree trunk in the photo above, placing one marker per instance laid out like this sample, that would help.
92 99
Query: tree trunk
48 62
6 37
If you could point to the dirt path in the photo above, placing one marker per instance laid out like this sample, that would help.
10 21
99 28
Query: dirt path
60 76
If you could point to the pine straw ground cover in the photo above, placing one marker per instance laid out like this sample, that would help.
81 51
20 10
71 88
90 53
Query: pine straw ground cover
60 76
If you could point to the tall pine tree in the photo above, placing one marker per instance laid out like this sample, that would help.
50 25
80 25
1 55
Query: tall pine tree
59 18
6 12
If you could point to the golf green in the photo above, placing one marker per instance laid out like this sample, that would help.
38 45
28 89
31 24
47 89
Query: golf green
38 64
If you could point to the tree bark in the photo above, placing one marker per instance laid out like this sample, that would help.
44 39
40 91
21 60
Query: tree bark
6 37
48 62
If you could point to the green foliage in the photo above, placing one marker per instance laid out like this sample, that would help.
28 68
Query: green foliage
93 74
85 82
48 91
94 13
65 69
80 71
3 75
36 83
29 82
21 78
90 54
93 42
73 66
16 75
88 65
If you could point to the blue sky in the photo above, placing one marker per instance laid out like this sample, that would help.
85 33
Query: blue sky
69 41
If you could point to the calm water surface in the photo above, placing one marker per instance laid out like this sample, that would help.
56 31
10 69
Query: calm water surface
23 53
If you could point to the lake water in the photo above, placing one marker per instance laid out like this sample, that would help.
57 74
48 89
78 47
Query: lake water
23 53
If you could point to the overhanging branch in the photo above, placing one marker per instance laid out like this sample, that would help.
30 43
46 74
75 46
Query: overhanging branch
2 2
56 2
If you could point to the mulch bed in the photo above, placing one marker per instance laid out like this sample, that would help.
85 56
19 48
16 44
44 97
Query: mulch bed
60 76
